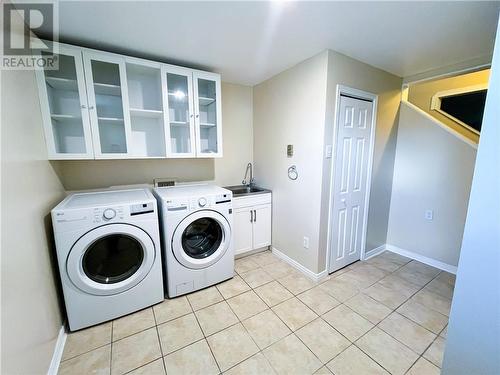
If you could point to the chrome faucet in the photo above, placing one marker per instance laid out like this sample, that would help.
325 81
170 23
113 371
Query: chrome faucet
251 181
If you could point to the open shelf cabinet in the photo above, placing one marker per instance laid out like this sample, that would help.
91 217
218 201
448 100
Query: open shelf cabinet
107 106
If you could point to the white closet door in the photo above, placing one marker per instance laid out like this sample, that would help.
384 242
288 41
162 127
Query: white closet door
350 180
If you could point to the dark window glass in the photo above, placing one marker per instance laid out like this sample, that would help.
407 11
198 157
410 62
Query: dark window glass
202 238
113 258
468 108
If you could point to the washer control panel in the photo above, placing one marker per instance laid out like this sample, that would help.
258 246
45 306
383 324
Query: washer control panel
104 214
188 204
109 214
202 202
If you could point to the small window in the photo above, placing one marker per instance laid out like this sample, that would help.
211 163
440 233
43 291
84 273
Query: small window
464 106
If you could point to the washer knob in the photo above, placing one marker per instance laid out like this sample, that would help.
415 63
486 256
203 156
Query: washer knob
202 202
109 213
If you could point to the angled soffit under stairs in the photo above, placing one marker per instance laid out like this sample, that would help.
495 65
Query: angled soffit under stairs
455 103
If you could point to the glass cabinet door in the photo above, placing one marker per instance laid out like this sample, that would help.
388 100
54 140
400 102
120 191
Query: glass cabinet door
64 108
179 116
108 104
208 114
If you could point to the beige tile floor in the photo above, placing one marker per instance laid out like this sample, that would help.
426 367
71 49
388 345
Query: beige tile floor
385 315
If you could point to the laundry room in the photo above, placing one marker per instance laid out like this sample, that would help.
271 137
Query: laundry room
248 187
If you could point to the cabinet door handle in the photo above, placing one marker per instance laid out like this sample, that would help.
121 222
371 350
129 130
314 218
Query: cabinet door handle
251 216
255 216
83 106
91 107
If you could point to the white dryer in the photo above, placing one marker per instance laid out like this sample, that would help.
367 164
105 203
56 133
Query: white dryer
108 250
196 222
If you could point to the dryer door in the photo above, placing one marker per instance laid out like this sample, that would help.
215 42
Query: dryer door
110 259
201 239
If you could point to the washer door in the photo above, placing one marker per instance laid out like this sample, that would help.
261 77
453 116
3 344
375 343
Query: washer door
201 239
110 259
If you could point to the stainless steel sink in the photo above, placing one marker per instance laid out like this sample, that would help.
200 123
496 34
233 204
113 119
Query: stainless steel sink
241 190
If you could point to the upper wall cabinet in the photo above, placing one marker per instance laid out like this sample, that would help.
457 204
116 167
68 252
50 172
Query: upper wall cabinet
63 99
106 106
194 113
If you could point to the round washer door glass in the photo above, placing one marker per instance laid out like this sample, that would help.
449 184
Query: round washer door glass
202 238
112 258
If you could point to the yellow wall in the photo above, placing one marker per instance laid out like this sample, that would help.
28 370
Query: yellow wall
420 94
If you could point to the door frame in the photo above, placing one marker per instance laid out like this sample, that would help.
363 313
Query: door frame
363 95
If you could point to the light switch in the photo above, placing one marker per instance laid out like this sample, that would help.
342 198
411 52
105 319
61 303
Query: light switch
328 151
289 151
429 215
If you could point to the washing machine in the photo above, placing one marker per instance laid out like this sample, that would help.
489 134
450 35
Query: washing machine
109 254
196 225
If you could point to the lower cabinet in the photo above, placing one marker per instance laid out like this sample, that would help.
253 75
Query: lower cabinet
251 223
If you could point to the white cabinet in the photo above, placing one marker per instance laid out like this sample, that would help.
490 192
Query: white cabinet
63 100
207 105
261 226
193 113
145 98
251 223
107 106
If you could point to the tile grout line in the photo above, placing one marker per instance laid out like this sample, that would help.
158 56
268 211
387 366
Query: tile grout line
395 310
294 295
203 333
159 340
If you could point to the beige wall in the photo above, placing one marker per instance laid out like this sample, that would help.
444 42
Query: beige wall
289 108
31 317
237 131
228 170
421 94
355 74
297 107
433 170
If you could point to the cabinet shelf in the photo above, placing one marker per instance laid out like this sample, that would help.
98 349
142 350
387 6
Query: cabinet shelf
62 83
58 117
179 123
110 120
207 125
150 113
107 89
205 101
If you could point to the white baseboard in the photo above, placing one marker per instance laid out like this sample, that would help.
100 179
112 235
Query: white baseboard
374 252
300 267
423 259
58 351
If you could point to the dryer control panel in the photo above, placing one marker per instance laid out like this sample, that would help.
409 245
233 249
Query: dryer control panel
188 204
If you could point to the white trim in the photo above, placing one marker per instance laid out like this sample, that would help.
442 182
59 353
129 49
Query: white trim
341 89
306 271
441 125
437 97
469 66
423 259
58 351
374 252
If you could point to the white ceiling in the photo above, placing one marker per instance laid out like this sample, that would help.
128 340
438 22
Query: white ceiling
249 42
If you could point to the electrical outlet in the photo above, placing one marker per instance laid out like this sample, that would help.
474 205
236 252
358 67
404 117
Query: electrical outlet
306 242
429 215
